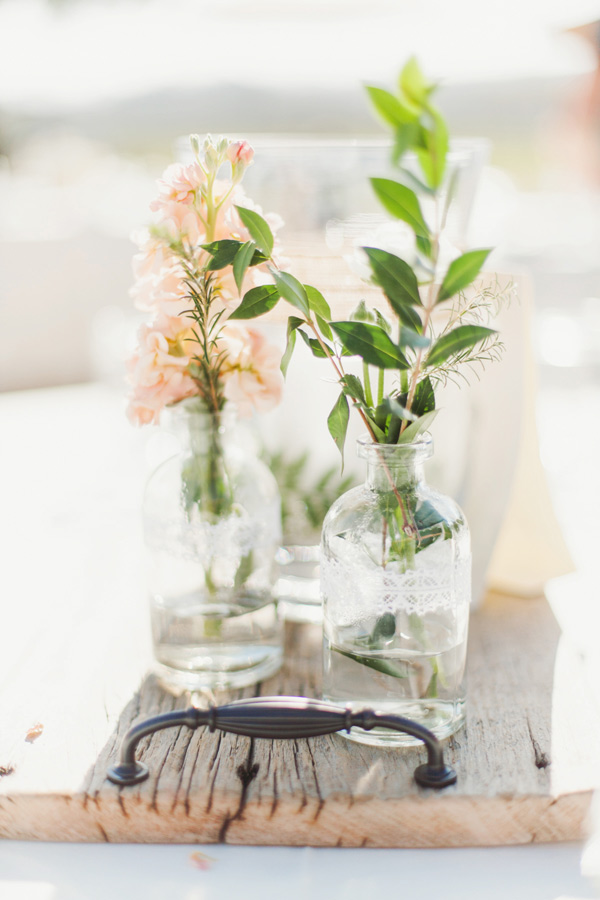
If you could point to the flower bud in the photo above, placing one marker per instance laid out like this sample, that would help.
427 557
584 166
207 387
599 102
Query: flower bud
211 154
195 144
241 155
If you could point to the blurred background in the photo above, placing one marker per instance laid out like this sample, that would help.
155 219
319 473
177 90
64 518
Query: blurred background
96 94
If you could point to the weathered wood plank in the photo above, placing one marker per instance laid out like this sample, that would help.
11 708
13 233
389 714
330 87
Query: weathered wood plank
526 760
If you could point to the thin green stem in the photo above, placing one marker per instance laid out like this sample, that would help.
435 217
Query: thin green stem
428 310
367 385
380 386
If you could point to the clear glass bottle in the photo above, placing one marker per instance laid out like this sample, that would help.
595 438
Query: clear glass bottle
212 526
396 586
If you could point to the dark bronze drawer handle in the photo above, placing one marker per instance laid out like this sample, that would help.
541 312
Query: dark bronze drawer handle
281 717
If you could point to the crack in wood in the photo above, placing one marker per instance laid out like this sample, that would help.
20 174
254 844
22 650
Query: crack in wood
163 762
275 801
246 772
182 771
296 752
216 759
321 803
121 803
103 833
542 760
186 797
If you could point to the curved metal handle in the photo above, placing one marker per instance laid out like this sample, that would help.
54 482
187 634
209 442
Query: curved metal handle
276 718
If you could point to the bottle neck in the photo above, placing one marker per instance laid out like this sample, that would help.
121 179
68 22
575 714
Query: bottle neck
202 433
384 477
395 466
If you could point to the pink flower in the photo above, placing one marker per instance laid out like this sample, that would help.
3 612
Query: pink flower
153 254
181 222
253 379
240 154
158 370
165 292
179 183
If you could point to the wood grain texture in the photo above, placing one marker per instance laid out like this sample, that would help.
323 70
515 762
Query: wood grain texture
526 761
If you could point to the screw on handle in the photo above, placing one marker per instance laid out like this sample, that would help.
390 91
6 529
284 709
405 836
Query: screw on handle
276 718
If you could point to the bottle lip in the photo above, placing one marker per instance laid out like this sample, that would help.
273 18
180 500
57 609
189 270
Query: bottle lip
395 454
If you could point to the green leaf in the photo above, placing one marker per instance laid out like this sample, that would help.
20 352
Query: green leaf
223 253
259 230
290 344
462 272
402 203
361 313
413 430
409 316
424 246
396 670
432 688
454 342
353 387
414 183
432 158
242 261
412 82
430 526
379 433
337 422
384 631
317 302
313 345
383 322
414 340
395 277
371 343
390 108
407 137
392 406
292 291
324 327
424 398
256 302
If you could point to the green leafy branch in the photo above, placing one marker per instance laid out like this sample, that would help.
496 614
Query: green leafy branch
408 347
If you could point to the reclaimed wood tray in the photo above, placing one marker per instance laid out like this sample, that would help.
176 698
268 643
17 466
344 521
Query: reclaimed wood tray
527 759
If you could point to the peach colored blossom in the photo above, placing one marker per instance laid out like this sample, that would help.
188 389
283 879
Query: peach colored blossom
252 377
181 222
165 292
158 370
152 256
179 183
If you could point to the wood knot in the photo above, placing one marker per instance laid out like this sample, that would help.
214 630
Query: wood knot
247 773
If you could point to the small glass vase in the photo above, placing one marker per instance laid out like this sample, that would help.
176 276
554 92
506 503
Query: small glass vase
396 588
212 526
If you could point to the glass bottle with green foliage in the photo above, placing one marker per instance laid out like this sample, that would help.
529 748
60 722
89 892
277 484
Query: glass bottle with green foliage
395 564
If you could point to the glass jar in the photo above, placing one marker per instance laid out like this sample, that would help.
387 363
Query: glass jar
396 586
212 526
